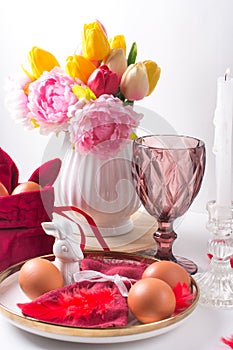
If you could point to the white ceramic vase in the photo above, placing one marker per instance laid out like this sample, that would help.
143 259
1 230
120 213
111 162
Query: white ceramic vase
102 188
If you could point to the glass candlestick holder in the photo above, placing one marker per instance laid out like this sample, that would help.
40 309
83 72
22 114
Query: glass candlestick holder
216 284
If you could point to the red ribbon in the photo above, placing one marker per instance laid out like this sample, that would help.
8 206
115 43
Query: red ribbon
60 210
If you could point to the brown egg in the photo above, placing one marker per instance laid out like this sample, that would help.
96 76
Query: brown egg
3 190
26 187
38 276
151 300
168 271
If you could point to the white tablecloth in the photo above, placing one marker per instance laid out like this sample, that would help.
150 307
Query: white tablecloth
201 331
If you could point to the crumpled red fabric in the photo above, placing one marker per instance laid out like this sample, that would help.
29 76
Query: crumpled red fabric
21 234
83 304
28 209
88 304
9 174
130 269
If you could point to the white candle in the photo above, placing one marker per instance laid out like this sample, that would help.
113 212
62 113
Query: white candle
223 140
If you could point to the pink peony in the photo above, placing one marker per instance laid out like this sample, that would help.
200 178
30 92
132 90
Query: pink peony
50 97
103 126
17 100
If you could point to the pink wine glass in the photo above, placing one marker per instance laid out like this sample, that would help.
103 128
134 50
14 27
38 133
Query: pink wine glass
168 172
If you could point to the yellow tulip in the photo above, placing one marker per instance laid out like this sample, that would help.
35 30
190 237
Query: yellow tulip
95 45
116 61
79 67
118 42
134 82
153 72
40 61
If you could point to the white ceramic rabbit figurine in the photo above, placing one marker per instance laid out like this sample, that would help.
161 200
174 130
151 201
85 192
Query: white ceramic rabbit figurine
66 249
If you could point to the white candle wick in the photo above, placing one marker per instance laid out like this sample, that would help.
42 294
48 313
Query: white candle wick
227 74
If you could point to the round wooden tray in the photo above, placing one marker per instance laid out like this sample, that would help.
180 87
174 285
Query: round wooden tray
140 238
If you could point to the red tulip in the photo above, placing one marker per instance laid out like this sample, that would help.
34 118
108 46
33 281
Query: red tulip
103 81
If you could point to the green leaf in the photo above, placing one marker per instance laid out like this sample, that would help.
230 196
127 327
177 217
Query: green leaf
128 102
132 54
120 96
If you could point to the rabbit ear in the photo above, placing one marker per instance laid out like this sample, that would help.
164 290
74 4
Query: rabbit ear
64 225
51 229
67 227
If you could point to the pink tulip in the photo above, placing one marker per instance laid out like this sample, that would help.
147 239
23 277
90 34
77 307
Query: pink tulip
116 61
134 82
103 81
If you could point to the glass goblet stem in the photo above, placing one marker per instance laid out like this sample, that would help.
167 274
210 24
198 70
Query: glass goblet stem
164 238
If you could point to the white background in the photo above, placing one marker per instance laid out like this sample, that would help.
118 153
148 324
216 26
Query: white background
191 40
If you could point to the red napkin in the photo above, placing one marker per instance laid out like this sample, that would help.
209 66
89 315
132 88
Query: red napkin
21 234
83 304
47 173
86 303
130 269
9 173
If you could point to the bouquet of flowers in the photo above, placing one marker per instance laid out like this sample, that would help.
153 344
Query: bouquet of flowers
90 98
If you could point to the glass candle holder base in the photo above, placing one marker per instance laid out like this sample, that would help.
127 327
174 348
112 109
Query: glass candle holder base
216 284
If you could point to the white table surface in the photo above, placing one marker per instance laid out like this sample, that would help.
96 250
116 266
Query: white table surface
201 331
